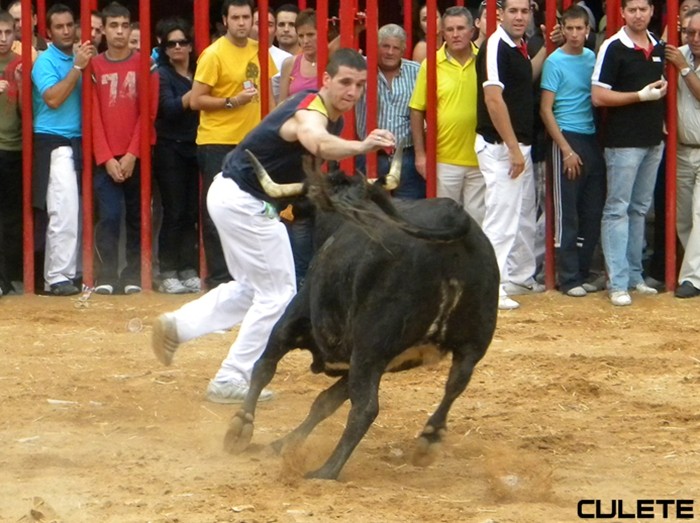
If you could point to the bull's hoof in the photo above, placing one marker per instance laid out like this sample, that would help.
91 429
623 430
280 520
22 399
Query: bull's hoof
320 474
278 445
426 452
239 433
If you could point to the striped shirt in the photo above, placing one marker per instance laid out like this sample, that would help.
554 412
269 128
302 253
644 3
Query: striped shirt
393 113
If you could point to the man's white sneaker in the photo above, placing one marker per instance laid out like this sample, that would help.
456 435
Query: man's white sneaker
506 304
590 287
643 288
577 292
105 289
172 286
193 284
620 298
132 289
232 392
514 289
165 341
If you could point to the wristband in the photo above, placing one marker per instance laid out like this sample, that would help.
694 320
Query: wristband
79 69
569 156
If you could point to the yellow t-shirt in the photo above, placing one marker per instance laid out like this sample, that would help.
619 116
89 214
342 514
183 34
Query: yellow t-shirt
17 49
224 67
456 111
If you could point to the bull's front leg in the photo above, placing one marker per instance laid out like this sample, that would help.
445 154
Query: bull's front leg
323 406
363 387
429 442
240 428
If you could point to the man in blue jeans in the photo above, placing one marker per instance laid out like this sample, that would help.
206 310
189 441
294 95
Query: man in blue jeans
627 79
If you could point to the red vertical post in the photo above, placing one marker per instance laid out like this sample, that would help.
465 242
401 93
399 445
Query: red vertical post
145 101
348 11
264 57
549 259
459 3
322 38
612 9
431 99
87 192
302 5
201 42
372 28
40 18
491 18
671 149
27 152
408 27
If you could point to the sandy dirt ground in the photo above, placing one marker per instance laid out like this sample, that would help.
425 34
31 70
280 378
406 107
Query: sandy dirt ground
575 399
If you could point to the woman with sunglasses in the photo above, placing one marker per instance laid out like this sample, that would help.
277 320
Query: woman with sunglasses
175 161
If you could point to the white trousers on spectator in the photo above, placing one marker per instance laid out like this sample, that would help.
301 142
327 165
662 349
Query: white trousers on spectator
688 212
509 218
259 257
63 209
463 184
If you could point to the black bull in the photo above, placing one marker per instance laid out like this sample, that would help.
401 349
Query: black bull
383 293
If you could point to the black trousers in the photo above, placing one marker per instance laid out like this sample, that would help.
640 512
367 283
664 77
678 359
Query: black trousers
211 159
175 170
10 218
578 209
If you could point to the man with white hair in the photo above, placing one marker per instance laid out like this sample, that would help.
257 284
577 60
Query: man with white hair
396 78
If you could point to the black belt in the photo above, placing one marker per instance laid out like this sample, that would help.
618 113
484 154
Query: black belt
492 141
691 145
382 152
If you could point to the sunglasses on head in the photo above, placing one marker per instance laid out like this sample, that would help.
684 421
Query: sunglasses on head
171 44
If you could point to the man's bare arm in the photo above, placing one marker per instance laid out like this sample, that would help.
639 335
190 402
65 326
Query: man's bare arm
418 134
498 111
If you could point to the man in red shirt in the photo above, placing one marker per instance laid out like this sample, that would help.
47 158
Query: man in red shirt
116 140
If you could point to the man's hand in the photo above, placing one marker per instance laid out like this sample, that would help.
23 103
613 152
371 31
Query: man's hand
420 163
83 53
114 170
674 56
653 91
127 163
556 35
572 165
378 139
246 95
4 84
517 162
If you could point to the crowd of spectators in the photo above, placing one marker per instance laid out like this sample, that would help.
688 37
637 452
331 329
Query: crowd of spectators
495 97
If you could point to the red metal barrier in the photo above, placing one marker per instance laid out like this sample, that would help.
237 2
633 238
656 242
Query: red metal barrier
146 135
41 17
431 100
671 276
321 38
87 193
372 27
264 57
348 13
27 151
408 27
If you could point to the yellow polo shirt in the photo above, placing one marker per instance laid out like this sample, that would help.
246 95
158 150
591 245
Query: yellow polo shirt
224 67
456 111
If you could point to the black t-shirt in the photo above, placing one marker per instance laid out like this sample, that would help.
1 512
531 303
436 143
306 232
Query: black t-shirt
500 62
622 67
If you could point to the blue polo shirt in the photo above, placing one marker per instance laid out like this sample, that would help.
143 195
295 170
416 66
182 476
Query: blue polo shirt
51 67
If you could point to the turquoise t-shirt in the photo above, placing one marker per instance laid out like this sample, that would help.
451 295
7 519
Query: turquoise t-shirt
51 67
569 77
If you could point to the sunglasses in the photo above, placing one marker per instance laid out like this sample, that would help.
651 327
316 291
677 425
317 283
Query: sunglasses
172 44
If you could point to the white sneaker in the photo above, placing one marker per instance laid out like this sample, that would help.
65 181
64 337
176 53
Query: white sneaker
105 289
643 288
172 286
577 292
532 287
232 392
620 298
590 287
132 289
507 304
193 284
165 340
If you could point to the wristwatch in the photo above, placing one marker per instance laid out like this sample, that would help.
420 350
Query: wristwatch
228 103
685 72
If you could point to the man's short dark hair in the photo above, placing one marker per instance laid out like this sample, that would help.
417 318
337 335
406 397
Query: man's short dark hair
305 17
574 12
115 10
692 12
348 58
459 11
19 2
57 9
625 2
235 3
287 8
7 18
483 5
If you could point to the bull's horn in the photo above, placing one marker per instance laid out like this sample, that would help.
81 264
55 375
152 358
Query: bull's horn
271 188
393 177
